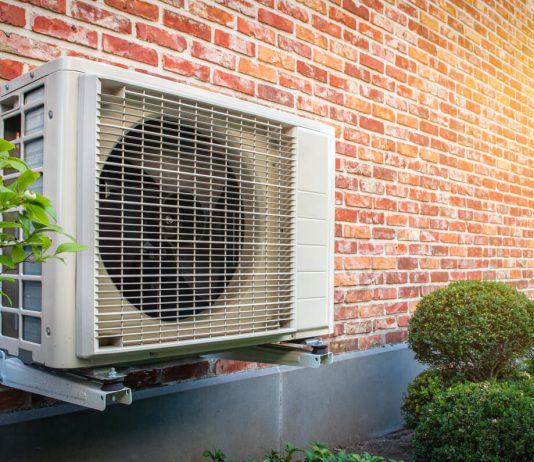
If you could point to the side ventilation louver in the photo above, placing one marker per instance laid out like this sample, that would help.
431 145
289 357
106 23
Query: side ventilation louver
194 220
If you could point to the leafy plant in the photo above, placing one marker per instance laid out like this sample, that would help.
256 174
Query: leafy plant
475 329
420 392
27 218
478 422
317 452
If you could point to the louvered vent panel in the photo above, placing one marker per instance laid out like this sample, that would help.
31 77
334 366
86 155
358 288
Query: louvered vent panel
194 221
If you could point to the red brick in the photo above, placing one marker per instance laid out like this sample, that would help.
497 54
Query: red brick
312 71
325 26
161 37
69 32
291 9
372 63
371 124
23 46
186 67
275 20
9 69
183 372
294 45
295 83
276 58
275 95
127 49
234 82
354 6
311 105
213 55
141 378
235 43
91 14
11 14
136 7
309 35
12 400
342 17
226 366
211 13
59 6
256 30
186 25
258 70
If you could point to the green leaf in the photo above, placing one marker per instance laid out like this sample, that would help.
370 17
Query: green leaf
36 214
6 145
6 261
26 179
9 224
18 254
14 163
70 247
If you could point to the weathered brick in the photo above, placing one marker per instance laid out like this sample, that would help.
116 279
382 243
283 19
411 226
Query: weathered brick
59 6
136 7
9 69
213 55
61 29
161 37
233 82
127 49
12 14
275 20
211 13
275 95
186 25
235 43
104 18
258 70
186 67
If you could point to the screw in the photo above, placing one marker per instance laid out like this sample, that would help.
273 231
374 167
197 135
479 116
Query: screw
50 114
32 75
48 331
7 87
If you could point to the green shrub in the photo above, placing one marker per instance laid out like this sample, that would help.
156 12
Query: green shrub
478 422
476 329
421 392
317 452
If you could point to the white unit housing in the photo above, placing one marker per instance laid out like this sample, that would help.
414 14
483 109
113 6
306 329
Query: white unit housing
209 220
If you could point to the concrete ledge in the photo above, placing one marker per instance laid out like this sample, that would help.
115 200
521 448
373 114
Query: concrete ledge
356 397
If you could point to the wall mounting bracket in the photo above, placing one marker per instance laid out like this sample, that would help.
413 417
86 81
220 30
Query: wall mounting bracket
310 353
91 392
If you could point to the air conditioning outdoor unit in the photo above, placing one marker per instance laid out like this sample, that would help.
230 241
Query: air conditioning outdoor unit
209 219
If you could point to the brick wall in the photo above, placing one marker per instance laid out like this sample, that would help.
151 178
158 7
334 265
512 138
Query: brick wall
432 102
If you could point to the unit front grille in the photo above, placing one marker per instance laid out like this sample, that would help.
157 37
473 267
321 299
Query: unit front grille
195 219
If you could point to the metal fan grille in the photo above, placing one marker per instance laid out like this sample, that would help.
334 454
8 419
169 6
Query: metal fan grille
194 221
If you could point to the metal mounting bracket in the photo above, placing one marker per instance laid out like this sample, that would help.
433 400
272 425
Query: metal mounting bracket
61 385
311 353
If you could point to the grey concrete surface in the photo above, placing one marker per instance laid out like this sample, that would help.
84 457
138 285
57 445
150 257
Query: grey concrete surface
356 397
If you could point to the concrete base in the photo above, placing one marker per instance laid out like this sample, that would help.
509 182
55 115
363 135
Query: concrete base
355 398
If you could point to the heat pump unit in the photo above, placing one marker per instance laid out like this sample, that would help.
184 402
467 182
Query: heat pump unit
209 219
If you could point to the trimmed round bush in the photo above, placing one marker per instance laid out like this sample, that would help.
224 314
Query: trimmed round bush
478 422
420 392
475 329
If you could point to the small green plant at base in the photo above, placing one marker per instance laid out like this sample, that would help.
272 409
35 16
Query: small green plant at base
474 329
26 219
317 452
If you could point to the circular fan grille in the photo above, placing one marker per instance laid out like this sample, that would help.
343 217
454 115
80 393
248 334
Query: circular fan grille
171 218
